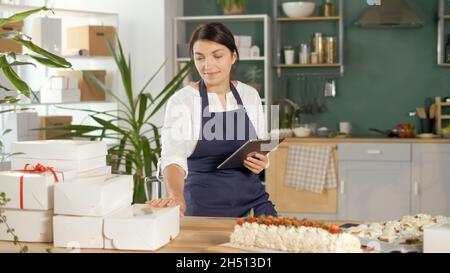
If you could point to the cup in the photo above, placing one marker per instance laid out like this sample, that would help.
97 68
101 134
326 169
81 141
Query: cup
345 127
289 56
152 187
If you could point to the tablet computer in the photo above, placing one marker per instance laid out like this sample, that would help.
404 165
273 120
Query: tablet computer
251 147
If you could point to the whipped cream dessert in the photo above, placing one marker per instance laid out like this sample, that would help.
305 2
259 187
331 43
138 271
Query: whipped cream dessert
293 235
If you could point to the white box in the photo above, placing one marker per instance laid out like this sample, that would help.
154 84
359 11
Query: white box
77 165
61 149
243 41
436 238
77 232
21 125
94 198
34 226
95 172
244 52
31 190
60 95
61 82
47 33
141 228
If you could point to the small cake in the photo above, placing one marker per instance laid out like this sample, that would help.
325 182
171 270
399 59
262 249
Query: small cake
293 235
408 230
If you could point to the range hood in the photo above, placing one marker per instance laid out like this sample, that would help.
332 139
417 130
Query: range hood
391 13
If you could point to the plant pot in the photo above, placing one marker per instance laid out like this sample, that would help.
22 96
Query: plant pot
289 56
235 10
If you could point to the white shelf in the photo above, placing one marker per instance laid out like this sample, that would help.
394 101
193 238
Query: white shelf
237 18
65 103
58 12
186 60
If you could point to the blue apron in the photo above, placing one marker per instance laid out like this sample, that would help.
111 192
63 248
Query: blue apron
223 193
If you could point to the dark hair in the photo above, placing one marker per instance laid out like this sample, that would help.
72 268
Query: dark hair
214 32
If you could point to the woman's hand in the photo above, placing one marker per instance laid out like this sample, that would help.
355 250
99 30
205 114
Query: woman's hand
171 201
257 163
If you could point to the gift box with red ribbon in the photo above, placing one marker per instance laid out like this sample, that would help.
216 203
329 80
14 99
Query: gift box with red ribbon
31 187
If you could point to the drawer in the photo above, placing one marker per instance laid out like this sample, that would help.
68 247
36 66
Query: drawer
375 151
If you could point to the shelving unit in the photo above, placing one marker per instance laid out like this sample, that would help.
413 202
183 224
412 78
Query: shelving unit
442 18
36 76
180 36
277 34
439 118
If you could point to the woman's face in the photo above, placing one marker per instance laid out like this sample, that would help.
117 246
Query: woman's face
213 61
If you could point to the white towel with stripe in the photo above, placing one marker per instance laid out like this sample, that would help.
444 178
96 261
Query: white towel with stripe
311 168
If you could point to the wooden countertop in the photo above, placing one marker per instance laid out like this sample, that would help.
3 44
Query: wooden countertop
363 140
197 234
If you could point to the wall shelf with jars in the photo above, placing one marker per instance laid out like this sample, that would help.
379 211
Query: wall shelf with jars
443 45
321 50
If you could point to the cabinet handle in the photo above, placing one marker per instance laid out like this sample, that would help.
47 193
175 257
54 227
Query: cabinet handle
374 152
416 188
341 186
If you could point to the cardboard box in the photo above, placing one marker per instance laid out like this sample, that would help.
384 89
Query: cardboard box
92 39
34 226
89 90
53 121
31 190
83 165
60 95
61 149
94 198
141 228
47 33
436 238
77 232
8 45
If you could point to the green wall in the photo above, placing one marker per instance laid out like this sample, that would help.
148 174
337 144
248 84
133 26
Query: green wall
388 72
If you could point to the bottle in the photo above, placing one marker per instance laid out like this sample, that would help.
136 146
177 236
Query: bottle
318 45
447 51
330 50
328 8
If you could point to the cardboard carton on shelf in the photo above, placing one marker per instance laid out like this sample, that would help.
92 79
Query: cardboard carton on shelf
91 38
53 121
8 45
89 90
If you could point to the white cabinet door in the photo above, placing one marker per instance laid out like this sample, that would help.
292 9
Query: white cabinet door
374 190
431 179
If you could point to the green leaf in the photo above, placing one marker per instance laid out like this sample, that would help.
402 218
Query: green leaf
12 76
16 63
7 131
108 125
59 61
21 16
128 163
142 109
46 62
148 156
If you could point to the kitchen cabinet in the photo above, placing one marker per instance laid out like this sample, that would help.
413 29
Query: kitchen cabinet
375 181
431 179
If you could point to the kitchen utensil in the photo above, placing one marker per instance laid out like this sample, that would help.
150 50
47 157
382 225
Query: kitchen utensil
330 88
387 133
421 112
406 130
428 102
323 132
432 111
298 9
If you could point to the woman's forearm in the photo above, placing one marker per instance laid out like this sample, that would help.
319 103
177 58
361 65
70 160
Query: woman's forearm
174 179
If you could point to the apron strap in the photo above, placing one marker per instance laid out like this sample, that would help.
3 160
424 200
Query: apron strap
204 95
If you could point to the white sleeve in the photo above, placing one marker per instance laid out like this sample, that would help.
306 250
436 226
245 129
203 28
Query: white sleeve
175 134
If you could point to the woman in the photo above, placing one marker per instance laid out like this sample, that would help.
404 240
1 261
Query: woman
204 124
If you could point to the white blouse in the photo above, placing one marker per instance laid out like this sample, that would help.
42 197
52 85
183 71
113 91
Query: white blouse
182 121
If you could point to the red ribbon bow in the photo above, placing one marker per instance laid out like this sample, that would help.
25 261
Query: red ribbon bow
38 169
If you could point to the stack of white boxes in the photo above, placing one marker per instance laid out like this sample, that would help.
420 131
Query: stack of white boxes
94 209
30 190
60 89
243 43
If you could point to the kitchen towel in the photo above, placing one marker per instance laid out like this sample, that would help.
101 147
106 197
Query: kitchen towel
311 168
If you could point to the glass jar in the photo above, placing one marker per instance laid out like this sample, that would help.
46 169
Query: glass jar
314 58
330 50
318 47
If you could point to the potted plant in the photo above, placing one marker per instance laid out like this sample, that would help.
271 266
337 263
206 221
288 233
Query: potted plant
289 53
232 7
139 145
252 75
